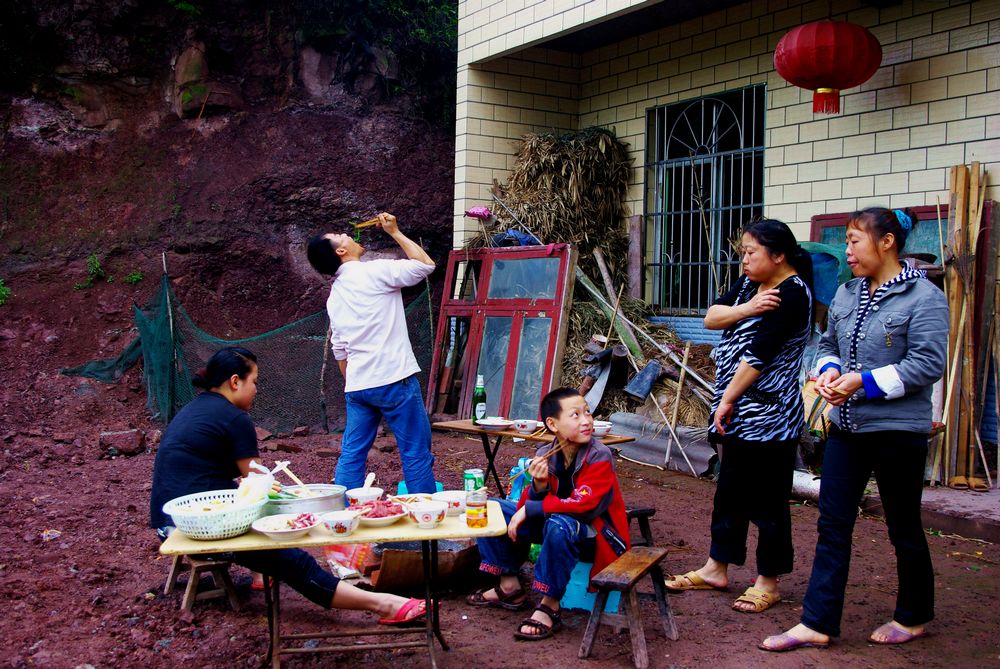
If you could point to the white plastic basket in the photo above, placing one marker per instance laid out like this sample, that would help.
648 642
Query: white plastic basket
190 517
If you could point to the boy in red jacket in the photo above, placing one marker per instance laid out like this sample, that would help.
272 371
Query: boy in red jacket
573 508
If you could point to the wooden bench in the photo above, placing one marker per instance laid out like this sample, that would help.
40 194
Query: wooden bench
219 570
641 514
623 575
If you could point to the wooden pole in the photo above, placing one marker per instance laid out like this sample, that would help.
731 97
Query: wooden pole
680 384
958 424
614 316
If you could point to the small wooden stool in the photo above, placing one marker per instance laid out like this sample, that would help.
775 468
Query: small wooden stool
642 514
219 569
623 575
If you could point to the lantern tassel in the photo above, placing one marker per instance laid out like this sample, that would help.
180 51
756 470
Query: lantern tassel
826 101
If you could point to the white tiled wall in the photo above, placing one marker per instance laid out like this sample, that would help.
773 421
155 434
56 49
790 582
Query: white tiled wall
934 102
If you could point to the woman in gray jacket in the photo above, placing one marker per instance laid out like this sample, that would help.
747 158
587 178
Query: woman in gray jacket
884 347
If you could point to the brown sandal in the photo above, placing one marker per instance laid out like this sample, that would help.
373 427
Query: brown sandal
504 600
542 631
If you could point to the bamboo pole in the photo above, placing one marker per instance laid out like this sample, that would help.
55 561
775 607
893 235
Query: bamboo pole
939 474
680 384
959 422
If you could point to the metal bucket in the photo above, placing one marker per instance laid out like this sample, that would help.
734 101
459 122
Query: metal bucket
330 499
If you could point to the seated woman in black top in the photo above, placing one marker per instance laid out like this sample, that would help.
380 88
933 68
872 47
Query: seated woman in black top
210 442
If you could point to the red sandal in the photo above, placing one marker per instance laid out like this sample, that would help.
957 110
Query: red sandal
401 619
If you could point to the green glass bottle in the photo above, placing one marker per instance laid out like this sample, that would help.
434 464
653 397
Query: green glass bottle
479 400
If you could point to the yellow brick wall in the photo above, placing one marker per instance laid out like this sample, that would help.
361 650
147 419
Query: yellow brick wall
934 102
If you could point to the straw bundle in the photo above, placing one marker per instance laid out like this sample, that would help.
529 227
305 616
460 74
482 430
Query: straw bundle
571 188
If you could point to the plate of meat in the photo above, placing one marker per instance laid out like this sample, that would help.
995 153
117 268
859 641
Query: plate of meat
380 512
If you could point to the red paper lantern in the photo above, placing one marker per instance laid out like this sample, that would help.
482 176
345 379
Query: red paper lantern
827 57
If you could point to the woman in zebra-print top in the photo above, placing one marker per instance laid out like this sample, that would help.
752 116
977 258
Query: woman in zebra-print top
757 412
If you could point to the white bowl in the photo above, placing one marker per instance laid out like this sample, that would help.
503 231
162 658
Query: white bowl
277 528
382 522
525 425
428 515
341 523
454 498
601 427
357 496
494 423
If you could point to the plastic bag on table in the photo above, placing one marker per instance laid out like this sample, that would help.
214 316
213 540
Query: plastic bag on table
255 486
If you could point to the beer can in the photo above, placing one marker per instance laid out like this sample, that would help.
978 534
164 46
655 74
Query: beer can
473 479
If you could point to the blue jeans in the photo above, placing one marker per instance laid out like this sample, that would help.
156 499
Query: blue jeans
402 406
564 542
897 460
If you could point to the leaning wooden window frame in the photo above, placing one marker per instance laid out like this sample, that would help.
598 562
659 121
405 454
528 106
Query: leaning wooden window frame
517 301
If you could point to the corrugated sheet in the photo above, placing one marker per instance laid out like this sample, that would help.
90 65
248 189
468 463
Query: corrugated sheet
690 328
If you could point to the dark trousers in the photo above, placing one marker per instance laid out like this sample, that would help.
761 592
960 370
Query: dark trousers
897 460
755 480
292 566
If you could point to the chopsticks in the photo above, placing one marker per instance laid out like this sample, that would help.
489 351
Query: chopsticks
365 224
547 455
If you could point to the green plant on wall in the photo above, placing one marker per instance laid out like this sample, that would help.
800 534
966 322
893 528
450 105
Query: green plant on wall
94 272
5 293
133 277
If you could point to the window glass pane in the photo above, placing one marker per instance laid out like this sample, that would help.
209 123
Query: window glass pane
453 343
530 278
467 273
530 367
493 358
705 176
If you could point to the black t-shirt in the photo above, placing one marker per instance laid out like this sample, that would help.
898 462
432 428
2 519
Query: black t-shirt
199 451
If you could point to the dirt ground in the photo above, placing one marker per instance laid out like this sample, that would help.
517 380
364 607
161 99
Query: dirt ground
81 579
93 594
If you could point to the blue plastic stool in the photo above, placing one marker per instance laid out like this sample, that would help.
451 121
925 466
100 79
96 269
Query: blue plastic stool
401 487
577 596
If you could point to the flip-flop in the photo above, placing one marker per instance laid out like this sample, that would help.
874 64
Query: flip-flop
977 484
694 582
760 600
786 642
895 635
401 619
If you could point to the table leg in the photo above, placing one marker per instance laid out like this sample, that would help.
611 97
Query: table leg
491 455
437 601
431 619
273 604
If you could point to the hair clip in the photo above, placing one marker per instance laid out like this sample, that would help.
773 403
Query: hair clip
905 221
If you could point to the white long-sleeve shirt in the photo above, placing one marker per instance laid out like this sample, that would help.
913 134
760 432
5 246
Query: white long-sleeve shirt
368 323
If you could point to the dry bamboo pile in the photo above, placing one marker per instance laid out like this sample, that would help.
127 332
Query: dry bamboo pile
955 459
570 189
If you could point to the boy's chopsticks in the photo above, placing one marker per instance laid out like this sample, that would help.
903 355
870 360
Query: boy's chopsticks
555 450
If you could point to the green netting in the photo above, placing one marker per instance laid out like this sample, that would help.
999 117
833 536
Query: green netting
295 388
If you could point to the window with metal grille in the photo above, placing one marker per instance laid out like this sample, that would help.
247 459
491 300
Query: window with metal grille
704 181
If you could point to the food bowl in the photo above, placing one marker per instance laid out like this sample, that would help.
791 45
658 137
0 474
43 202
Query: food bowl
525 425
454 498
315 498
383 521
356 496
341 523
494 423
285 526
601 427
411 498
379 513
428 515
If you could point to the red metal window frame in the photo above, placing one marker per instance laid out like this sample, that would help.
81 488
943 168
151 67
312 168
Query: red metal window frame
478 310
